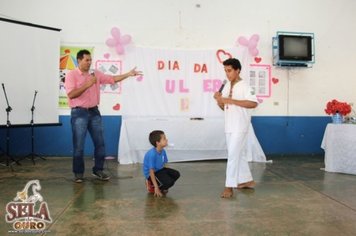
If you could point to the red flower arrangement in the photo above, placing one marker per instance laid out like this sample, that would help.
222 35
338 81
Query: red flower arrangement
334 106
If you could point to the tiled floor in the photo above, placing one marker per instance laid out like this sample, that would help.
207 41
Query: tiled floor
292 197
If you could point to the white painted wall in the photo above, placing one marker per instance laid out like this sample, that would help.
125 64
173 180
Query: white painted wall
217 24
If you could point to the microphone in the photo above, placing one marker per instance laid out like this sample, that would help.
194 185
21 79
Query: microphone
222 86
91 72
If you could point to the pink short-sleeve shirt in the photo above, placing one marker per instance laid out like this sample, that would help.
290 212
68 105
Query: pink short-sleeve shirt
91 97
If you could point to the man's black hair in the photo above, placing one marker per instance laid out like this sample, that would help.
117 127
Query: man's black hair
81 54
235 63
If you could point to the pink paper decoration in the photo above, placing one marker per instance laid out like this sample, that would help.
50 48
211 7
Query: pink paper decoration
251 44
118 41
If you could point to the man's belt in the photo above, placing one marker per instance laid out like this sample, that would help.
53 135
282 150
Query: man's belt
86 108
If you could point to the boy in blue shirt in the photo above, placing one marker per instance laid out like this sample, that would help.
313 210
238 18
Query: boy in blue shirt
158 177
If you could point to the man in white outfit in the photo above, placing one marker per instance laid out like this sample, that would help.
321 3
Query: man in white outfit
235 99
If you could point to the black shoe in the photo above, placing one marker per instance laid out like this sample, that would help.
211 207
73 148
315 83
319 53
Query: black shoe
78 178
101 175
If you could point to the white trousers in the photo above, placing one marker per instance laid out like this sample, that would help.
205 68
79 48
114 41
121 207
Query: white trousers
237 169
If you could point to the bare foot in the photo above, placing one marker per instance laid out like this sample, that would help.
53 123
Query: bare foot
227 193
250 184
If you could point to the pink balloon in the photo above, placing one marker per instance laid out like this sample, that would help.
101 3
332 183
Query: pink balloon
115 32
117 41
243 41
111 42
125 39
254 52
252 44
255 38
120 49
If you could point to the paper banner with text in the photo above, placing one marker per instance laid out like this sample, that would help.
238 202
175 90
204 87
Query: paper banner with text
181 83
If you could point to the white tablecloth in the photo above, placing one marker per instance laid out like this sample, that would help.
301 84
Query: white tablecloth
339 143
188 140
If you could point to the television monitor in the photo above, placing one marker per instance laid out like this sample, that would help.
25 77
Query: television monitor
295 48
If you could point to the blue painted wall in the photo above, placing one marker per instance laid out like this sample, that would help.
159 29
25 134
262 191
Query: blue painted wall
290 135
57 140
277 135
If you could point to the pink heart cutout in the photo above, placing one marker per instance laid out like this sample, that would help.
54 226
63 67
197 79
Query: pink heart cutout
116 107
139 78
222 55
258 59
275 80
107 55
260 100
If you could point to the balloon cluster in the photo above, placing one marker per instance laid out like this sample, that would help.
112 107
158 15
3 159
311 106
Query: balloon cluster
118 41
251 44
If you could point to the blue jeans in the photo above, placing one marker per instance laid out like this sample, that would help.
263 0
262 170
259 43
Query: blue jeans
84 120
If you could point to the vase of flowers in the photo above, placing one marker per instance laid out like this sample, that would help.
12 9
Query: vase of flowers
338 110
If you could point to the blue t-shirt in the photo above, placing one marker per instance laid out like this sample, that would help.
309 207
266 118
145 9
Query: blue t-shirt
154 160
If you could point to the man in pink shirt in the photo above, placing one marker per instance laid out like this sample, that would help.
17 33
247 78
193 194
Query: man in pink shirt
83 91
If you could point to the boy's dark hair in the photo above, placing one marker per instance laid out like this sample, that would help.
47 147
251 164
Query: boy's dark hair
81 54
155 136
235 63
